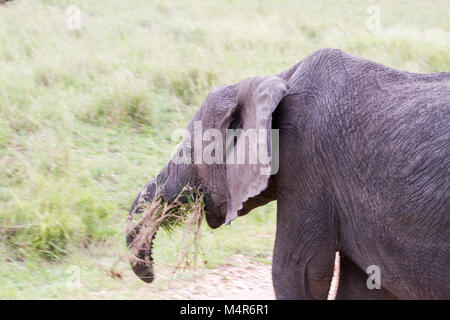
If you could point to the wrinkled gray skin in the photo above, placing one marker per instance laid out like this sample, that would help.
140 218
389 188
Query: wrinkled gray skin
363 169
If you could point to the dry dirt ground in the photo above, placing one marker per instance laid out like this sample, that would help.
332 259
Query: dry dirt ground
243 280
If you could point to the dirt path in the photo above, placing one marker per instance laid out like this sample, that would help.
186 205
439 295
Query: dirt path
243 280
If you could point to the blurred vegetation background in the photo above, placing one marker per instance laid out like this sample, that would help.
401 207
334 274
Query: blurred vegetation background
86 116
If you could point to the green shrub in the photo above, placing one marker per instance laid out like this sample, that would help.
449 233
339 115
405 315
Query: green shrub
56 213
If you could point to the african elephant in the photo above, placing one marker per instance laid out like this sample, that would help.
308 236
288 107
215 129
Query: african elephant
363 161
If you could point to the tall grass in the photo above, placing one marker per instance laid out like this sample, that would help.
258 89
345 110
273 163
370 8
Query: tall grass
86 115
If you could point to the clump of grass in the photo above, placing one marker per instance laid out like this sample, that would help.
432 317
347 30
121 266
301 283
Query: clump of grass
125 100
49 226
186 211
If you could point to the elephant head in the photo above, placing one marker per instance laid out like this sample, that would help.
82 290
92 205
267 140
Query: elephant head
217 155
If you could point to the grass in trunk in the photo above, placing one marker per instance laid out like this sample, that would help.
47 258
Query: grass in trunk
148 217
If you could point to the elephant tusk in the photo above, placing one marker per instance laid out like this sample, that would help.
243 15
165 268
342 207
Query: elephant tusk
335 281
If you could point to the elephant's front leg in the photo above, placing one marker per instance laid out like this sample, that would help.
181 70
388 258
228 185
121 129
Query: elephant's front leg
304 253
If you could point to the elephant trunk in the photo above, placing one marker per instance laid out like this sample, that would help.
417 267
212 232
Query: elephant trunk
170 181
141 259
142 263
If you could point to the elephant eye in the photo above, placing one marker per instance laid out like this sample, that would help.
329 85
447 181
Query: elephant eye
186 148
187 145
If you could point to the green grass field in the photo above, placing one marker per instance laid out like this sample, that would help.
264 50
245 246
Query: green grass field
86 117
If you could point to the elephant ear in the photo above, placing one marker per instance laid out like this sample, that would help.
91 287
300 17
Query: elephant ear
250 117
